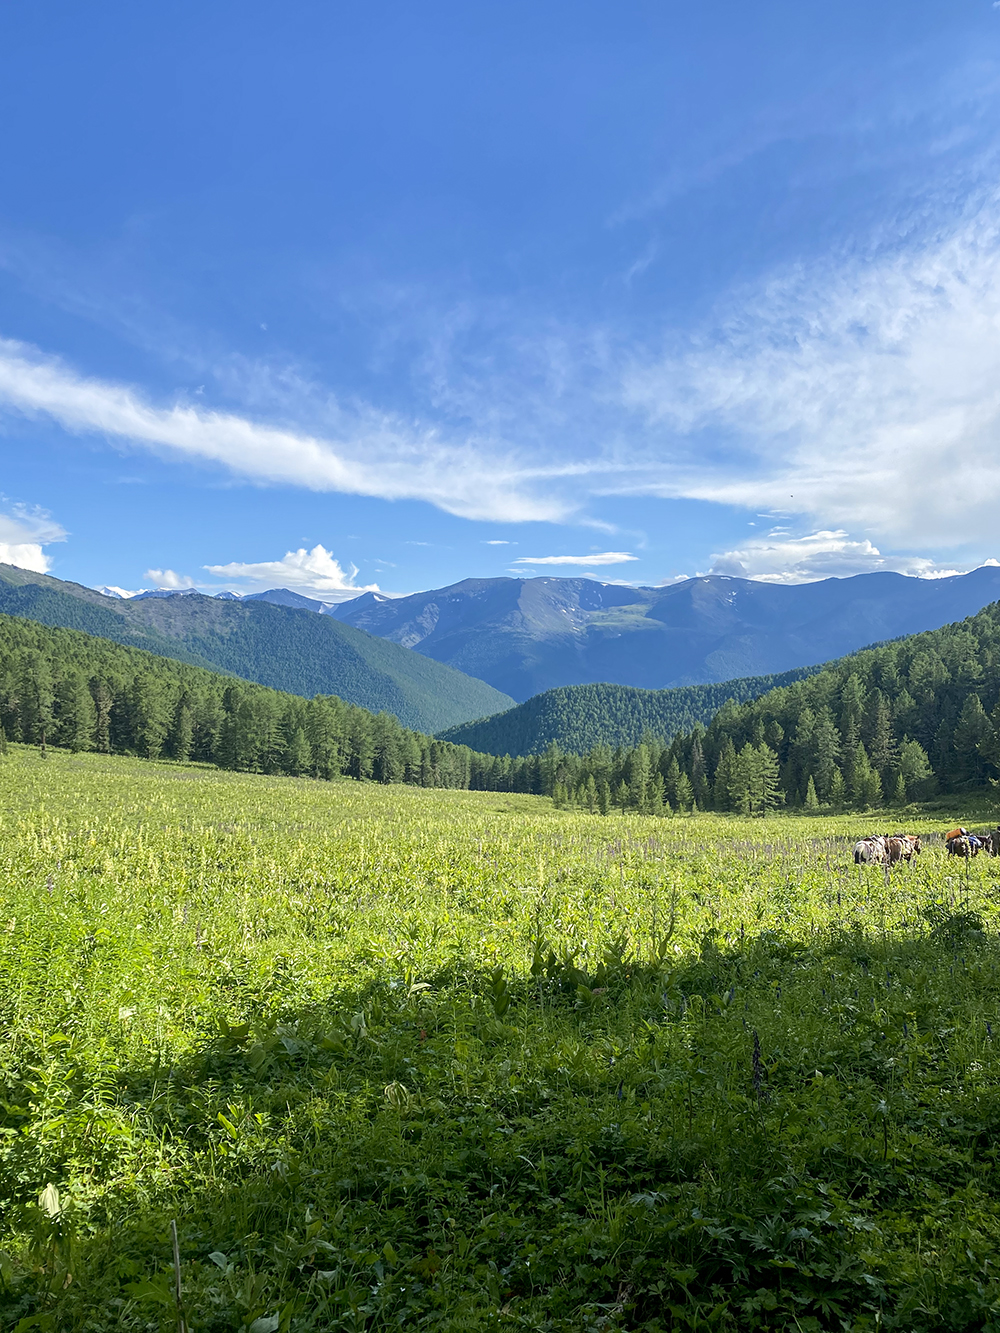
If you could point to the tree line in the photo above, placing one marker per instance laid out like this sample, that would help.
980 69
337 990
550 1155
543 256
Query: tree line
889 724
65 688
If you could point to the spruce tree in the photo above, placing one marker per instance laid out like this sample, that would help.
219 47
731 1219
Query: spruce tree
914 766
811 801
75 713
725 769
971 742
826 750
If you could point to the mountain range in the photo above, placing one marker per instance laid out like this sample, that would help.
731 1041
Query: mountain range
595 660
284 647
526 636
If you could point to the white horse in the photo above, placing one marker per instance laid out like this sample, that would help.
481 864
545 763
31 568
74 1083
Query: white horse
871 851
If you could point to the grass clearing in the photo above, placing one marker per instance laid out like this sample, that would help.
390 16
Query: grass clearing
446 1060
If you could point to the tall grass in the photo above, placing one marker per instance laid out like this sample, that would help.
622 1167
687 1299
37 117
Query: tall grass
457 1061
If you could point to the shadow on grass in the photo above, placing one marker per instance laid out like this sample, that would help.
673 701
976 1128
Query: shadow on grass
770 1134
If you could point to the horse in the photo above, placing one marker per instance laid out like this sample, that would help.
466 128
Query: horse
965 845
870 851
991 842
902 847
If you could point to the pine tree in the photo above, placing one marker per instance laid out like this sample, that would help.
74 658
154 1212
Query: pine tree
971 743
639 779
883 752
826 752
299 753
859 783
181 735
899 790
100 692
838 790
671 778
722 790
699 772
811 802
914 766
75 712
803 750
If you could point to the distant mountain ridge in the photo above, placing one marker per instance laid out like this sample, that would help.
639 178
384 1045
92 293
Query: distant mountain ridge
527 636
283 647
578 717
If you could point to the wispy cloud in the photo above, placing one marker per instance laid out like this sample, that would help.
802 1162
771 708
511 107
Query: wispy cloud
375 454
24 533
860 394
865 394
314 571
600 558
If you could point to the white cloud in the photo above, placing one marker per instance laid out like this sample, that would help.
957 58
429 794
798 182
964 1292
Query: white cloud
499 543
313 572
375 453
865 394
600 558
24 533
166 578
778 558
860 393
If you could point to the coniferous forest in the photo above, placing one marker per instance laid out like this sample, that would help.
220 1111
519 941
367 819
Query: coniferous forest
887 725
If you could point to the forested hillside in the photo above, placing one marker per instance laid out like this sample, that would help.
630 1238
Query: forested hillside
885 725
61 687
72 606
578 717
280 646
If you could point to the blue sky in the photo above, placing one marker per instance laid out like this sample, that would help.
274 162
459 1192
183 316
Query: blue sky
440 290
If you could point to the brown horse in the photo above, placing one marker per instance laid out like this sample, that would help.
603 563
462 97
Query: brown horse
965 845
902 847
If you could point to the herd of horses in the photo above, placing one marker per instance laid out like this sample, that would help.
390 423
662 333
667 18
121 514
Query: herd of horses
886 849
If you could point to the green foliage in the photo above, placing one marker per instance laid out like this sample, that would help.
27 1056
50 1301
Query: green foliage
291 650
889 725
85 693
579 717
457 1061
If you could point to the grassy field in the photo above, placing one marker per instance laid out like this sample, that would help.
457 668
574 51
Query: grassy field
394 1058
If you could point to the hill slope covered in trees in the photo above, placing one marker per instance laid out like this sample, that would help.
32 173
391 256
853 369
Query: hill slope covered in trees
279 646
889 724
886 725
578 717
62 687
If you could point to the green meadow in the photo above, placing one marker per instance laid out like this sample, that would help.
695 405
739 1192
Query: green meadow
389 1057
